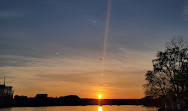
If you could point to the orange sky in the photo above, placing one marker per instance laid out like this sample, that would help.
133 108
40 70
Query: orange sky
81 75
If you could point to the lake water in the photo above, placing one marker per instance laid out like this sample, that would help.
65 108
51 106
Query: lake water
82 108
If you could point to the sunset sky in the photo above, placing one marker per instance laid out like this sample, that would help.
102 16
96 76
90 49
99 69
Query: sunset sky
56 46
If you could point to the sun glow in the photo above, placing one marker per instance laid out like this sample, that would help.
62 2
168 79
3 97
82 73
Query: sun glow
99 96
100 108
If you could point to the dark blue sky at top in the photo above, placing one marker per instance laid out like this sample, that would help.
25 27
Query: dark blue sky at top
38 28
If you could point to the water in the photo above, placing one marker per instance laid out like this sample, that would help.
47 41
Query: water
82 108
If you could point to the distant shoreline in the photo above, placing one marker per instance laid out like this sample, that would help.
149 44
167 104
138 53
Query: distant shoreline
42 102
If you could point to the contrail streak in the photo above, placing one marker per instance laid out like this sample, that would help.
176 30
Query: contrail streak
106 29
101 83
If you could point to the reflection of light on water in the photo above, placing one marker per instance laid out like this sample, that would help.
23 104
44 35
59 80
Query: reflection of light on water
100 108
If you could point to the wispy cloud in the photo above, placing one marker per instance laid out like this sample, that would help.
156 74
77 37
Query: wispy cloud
11 14
16 61
122 69
185 10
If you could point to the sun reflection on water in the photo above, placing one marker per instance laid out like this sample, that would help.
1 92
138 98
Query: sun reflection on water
100 108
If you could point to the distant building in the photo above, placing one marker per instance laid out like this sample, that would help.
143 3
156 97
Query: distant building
6 94
20 97
43 96
6 91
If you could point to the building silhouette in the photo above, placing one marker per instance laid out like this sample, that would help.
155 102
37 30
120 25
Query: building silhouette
6 94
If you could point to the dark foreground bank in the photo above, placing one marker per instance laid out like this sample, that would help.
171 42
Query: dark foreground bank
71 100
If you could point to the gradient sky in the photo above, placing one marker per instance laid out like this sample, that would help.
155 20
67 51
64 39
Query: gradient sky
55 46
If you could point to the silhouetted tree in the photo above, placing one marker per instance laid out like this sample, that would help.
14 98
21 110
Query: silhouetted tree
170 71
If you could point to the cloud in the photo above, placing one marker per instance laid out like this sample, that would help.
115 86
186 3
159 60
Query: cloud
185 10
111 78
124 68
17 61
11 14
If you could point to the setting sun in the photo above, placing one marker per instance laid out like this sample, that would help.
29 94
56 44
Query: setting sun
99 96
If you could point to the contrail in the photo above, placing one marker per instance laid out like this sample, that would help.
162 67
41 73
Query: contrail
106 29
105 41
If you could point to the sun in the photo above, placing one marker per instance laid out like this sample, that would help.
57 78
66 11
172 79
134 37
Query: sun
99 96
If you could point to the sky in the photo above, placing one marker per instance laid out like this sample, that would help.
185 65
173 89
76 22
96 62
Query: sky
56 46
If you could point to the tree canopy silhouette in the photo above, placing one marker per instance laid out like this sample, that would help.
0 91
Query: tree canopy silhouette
170 71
